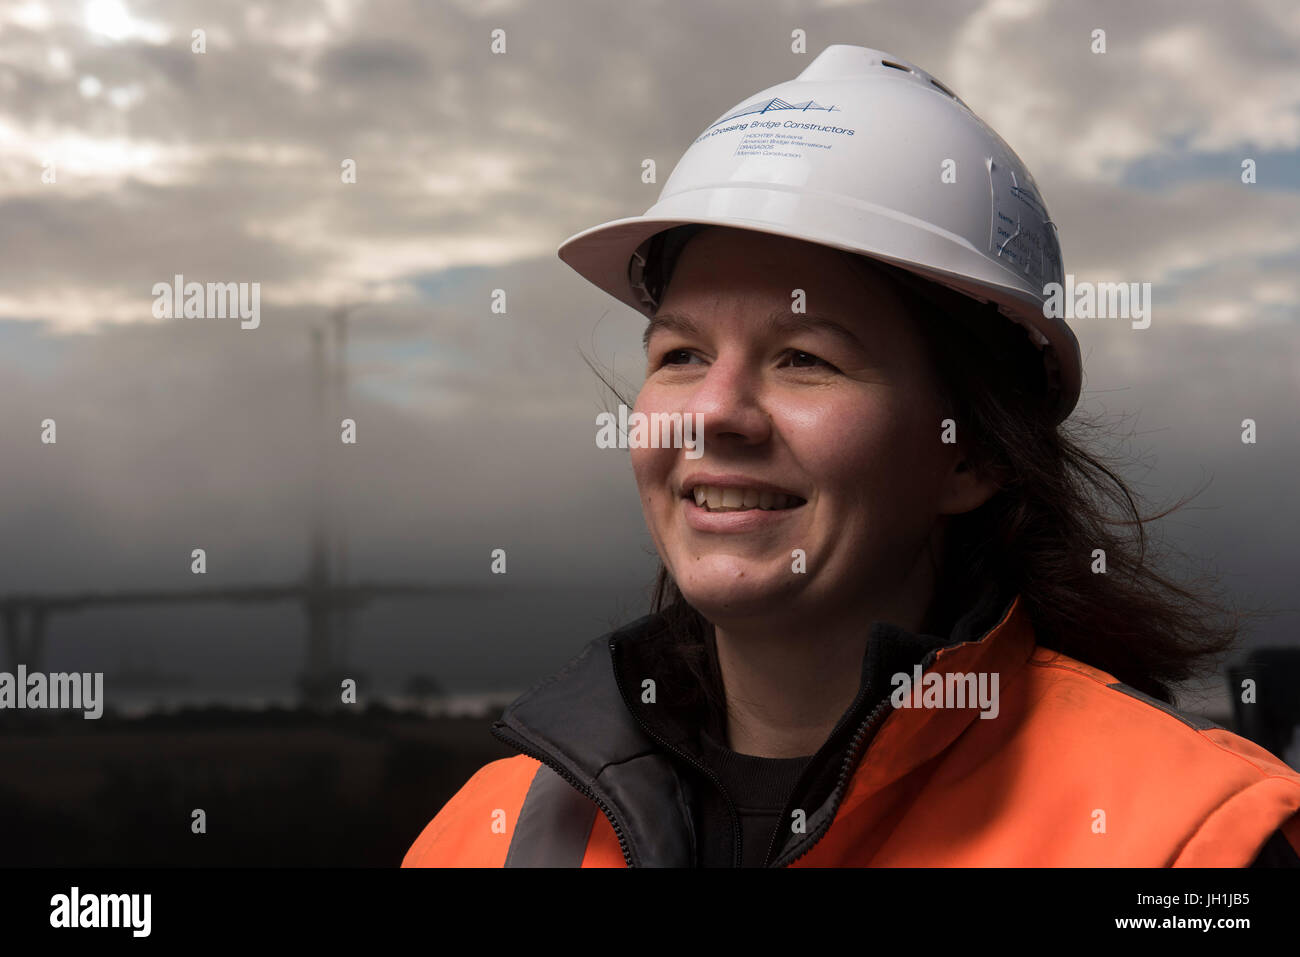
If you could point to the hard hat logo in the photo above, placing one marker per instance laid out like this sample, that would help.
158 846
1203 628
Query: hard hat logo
949 201
775 103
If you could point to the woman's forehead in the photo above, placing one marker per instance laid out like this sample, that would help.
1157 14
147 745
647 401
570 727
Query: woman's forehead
722 271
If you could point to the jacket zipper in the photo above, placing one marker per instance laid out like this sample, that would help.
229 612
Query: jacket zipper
519 744
731 808
846 774
846 771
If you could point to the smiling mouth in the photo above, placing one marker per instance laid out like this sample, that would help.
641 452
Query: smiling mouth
713 498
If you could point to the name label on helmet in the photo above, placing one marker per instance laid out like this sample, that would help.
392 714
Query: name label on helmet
1020 235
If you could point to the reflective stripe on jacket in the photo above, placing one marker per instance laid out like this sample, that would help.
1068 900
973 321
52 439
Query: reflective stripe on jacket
1076 769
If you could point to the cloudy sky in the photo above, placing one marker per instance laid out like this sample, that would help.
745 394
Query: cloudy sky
474 428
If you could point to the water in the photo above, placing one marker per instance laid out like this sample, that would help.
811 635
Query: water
456 653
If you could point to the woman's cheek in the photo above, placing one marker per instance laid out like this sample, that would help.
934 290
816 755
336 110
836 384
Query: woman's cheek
641 469
642 463
838 438
651 469
651 466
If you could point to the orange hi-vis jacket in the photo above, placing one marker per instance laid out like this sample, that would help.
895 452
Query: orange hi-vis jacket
1075 769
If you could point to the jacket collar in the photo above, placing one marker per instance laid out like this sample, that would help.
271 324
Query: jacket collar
594 723
577 722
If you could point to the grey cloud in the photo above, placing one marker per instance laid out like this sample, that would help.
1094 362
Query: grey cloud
477 428
377 62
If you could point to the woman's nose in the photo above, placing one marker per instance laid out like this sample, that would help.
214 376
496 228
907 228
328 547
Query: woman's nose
729 401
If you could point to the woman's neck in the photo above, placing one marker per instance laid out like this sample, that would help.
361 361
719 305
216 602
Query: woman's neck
787 681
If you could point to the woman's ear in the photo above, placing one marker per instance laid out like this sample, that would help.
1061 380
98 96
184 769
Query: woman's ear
966 489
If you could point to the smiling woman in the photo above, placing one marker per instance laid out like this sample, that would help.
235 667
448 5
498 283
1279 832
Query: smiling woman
897 621
846 425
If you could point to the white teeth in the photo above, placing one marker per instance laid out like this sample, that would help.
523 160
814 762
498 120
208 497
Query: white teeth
718 499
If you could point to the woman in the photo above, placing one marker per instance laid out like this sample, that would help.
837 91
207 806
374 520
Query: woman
894 624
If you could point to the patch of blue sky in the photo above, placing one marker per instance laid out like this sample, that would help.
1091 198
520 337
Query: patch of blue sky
402 372
29 339
1274 169
444 285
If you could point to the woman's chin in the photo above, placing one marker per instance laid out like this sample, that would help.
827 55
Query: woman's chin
736 597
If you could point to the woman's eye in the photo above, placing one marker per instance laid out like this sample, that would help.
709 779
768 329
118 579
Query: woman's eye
806 360
677 357
793 357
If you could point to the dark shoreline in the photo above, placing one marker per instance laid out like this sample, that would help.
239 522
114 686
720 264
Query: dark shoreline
279 787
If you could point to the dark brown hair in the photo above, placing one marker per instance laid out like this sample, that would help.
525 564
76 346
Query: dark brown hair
1058 501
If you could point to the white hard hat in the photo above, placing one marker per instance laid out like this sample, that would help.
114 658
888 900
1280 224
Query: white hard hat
866 153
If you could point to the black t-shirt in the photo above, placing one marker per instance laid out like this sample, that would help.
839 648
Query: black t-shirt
759 787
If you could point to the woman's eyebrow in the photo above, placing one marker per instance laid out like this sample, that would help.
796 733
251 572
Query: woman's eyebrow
778 321
668 322
783 320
